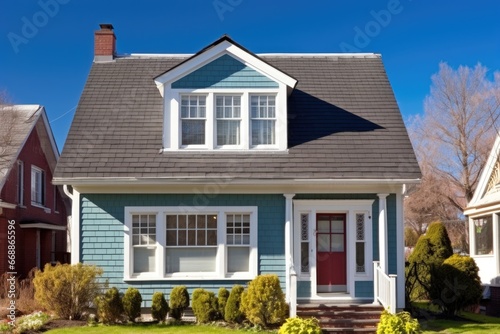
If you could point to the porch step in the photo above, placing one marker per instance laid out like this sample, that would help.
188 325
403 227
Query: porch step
343 318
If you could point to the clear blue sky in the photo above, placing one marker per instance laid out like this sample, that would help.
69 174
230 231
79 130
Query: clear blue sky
46 50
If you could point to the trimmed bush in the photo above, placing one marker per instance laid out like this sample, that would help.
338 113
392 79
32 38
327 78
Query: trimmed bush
67 290
264 303
222 297
300 326
430 251
456 284
232 312
159 307
400 323
204 306
109 307
179 301
132 301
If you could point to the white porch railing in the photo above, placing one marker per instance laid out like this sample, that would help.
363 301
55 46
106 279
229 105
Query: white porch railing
384 288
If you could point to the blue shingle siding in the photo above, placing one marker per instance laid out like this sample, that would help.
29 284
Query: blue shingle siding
102 219
392 234
363 289
224 72
303 289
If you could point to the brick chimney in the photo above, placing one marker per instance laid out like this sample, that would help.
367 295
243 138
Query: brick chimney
104 43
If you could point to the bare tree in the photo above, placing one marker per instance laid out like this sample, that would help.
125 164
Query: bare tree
9 118
455 135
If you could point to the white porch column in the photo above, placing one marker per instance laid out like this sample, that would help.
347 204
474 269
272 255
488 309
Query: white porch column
75 226
496 246
382 232
289 270
400 246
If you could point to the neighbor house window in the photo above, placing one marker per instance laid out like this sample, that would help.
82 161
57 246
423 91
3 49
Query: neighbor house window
193 119
20 183
263 115
228 116
144 242
483 231
37 186
182 242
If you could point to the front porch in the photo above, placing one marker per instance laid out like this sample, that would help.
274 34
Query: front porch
331 246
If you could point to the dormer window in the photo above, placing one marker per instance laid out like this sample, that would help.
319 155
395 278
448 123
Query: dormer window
228 116
225 98
193 119
263 110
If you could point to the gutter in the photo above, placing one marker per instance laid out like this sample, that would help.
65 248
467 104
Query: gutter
205 180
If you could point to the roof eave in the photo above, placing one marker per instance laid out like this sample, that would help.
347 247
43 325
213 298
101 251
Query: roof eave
236 181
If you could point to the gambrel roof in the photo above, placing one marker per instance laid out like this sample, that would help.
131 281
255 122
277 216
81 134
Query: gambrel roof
343 124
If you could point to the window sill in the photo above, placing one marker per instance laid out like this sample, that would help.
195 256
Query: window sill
225 150
40 206
483 255
187 278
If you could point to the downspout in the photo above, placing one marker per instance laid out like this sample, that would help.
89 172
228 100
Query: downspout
71 235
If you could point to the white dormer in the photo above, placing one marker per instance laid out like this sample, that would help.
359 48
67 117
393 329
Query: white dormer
225 98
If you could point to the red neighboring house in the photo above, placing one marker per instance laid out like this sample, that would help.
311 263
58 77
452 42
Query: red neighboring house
28 200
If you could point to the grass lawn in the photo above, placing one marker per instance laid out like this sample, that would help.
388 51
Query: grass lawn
472 324
134 329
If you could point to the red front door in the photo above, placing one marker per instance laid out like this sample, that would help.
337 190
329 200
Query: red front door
331 253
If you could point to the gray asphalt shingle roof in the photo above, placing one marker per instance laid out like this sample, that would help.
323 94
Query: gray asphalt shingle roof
343 123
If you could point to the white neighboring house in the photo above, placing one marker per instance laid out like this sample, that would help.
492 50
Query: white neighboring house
483 212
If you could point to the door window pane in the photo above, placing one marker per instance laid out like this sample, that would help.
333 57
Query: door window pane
323 242
337 242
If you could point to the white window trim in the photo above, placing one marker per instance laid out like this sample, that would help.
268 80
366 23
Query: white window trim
20 183
43 187
172 121
350 208
161 212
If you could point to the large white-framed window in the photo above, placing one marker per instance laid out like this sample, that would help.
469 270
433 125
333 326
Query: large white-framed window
188 243
193 120
263 115
37 186
222 119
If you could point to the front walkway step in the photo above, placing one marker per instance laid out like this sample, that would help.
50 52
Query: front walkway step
342 318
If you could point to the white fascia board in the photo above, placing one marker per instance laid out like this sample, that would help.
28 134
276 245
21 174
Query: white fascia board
194 181
215 52
486 173
491 207
262 66
50 134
